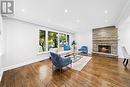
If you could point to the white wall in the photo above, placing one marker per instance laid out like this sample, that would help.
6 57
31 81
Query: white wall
124 36
0 45
22 40
124 30
84 38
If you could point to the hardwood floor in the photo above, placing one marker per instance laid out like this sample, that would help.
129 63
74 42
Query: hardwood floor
99 72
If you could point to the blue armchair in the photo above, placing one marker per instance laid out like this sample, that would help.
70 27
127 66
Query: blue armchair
84 50
59 62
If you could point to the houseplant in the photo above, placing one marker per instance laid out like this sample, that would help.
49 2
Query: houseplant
74 45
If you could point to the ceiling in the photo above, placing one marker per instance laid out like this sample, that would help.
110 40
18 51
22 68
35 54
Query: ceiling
73 15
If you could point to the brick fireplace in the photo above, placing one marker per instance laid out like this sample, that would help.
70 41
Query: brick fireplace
105 41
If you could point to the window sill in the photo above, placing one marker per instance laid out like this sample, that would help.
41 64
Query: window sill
40 53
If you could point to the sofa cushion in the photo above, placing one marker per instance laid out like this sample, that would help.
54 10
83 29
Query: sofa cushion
54 50
60 51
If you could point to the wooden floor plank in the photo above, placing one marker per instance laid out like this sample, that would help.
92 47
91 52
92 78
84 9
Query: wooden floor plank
99 72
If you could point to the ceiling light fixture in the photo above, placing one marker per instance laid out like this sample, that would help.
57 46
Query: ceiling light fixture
66 11
106 12
22 10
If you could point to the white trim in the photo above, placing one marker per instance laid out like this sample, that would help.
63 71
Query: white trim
22 64
45 52
58 40
1 74
46 36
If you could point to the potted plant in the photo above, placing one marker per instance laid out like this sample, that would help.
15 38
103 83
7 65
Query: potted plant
74 45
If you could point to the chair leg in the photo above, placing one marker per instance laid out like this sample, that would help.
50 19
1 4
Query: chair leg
52 67
71 64
124 60
60 69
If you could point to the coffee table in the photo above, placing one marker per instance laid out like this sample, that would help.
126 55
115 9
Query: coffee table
75 57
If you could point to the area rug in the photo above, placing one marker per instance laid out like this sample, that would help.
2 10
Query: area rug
79 65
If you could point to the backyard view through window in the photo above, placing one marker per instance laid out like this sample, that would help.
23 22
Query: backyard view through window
42 41
62 39
52 40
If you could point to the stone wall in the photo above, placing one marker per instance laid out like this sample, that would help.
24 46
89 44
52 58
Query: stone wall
106 36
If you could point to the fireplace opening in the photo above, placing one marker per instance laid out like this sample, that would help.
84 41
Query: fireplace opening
104 48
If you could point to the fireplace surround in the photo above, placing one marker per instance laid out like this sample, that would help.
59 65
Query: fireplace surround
105 40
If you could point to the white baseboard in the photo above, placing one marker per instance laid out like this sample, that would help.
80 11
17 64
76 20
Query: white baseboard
22 64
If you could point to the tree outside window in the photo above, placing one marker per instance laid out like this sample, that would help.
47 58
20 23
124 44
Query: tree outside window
62 39
42 41
52 40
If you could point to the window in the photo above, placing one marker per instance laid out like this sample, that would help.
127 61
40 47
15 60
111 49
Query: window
42 41
52 40
62 39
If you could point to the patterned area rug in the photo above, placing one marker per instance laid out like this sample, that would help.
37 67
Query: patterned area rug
79 64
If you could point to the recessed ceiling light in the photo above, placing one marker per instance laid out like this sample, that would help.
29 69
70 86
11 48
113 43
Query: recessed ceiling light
106 12
22 10
66 11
